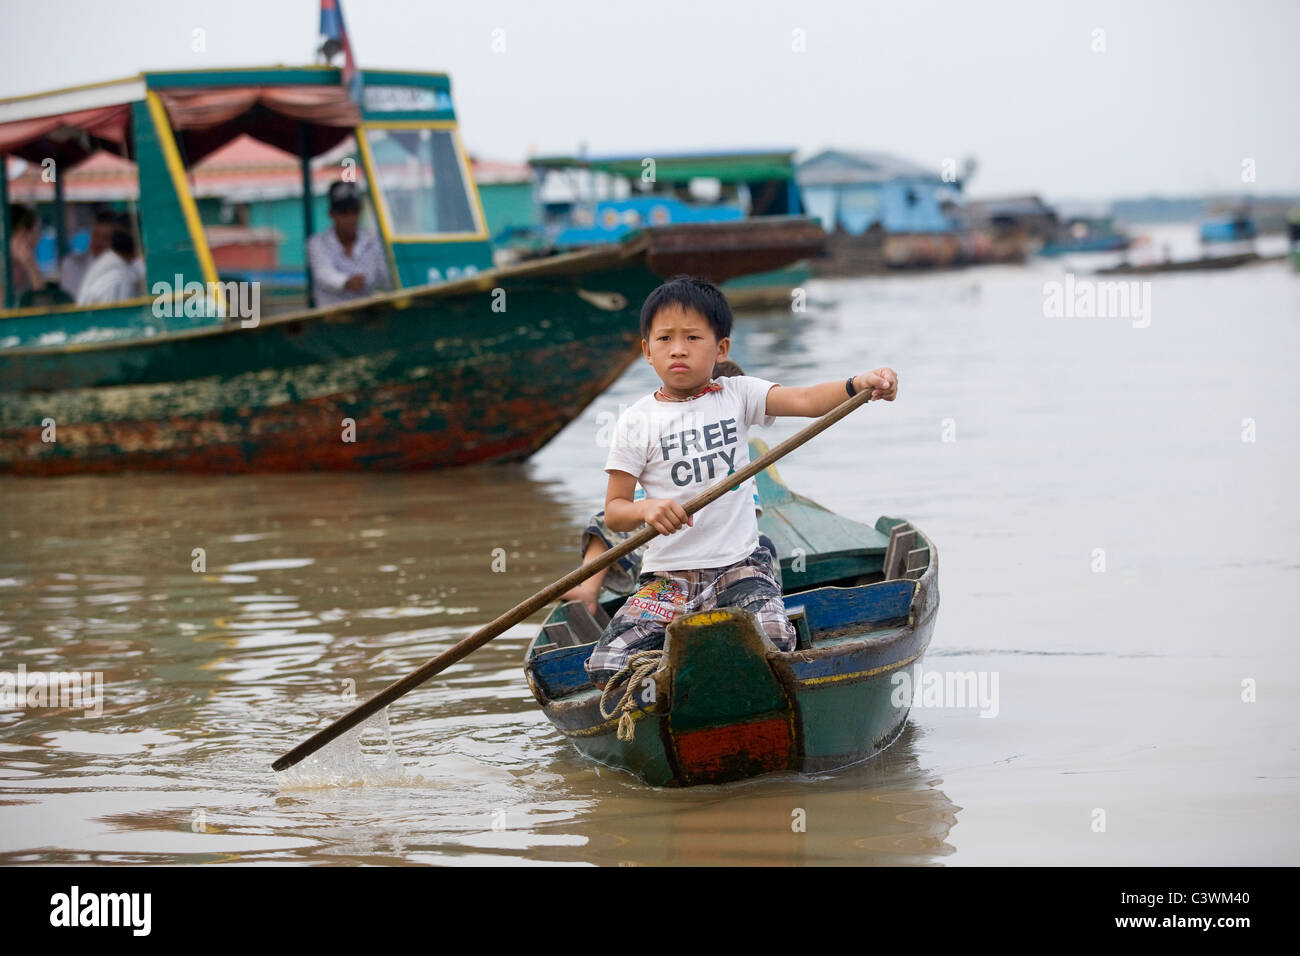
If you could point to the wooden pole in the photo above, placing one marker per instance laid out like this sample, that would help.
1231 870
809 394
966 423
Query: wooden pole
543 597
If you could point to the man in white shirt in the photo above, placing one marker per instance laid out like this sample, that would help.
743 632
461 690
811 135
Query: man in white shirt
112 277
346 262
72 271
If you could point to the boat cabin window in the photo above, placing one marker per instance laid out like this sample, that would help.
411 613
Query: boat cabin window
421 184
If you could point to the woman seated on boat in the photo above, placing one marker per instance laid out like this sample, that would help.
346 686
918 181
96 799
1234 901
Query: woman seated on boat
620 577
24 236
347 262
112 277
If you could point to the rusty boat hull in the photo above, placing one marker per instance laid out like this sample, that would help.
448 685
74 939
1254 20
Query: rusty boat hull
484 369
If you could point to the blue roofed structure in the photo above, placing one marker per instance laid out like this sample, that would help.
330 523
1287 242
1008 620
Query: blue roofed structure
850 192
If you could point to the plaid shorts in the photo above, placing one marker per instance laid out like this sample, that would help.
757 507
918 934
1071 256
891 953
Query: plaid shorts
639 625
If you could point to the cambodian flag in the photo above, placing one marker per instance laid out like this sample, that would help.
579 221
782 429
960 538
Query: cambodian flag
335 38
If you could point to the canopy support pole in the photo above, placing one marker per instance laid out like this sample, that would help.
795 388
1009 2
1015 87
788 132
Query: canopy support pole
6 217
308 213
60 218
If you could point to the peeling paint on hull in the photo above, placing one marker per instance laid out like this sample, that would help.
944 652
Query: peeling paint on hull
432 377
492 387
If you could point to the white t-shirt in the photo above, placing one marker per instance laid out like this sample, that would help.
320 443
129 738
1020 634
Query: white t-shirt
678 450
110 278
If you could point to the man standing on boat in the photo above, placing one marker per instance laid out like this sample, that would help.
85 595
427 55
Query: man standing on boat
75 265
346 262
112 276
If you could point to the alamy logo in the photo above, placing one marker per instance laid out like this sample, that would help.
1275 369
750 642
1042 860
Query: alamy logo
228 300
23 689
946 689
102 909
1089 299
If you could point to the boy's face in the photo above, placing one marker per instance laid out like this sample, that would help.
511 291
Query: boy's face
683 349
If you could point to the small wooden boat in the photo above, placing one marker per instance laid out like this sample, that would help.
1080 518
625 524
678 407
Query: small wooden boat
726 703
1182 265
1086 234
1236 228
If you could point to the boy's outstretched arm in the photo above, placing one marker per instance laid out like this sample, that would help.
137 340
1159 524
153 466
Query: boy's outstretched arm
813 401
624 514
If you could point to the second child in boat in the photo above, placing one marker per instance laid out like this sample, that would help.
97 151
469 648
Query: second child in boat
677 442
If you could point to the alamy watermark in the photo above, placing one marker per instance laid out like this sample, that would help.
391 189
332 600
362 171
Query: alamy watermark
1090 299
947 689
24 689
227 300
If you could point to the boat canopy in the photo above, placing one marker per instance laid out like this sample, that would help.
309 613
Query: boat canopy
595 199
726 167
400 143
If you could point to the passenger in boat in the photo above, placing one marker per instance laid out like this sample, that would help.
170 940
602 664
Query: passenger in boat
75 265
677 442
113 276
620 577
347 262
25 234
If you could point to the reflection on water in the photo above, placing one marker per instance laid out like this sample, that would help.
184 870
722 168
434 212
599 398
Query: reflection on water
231 617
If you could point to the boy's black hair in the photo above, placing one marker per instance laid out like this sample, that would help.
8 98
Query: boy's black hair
689 292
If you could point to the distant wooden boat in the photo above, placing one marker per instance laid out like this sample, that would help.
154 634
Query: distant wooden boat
727 704
1184 265
1238 228
207 371
590 200
1086 234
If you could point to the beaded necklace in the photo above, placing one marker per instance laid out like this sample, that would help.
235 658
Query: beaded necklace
713 386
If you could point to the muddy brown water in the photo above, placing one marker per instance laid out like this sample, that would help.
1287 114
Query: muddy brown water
1115 554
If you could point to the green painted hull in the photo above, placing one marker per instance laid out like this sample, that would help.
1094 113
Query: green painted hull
488 368
766 289
436 380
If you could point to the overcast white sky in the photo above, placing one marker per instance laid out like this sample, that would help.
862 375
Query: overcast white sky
1184 91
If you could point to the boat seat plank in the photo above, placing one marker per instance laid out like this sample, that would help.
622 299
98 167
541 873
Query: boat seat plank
561 672
901 539
832 609
560 634
581 622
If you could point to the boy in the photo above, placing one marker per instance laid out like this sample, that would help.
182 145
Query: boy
679 442
621 576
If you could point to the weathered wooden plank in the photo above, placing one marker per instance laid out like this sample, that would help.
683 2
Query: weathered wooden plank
901 539
832 609
583 625
561 672
560 634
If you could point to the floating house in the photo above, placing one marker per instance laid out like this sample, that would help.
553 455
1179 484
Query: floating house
881 211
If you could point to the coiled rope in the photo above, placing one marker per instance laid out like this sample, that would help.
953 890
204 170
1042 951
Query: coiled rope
638 668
